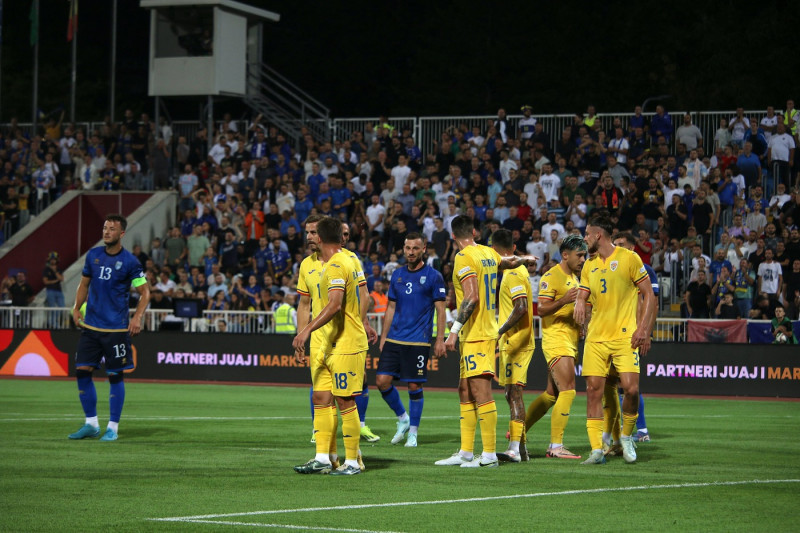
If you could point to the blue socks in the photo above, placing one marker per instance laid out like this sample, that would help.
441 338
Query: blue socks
87 393
362 401
640 422
392 397
116 397
415 404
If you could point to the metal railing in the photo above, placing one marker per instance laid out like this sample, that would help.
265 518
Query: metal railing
59 318
252 322
284 104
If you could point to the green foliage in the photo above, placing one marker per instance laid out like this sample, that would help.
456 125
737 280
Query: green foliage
187 450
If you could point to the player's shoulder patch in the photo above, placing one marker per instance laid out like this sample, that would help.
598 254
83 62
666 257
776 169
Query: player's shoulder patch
544 285
337 281
518 288
464 270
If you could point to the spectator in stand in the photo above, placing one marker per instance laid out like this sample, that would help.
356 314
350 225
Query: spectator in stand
727 309
697 298
749 165
661 124
738 125
770 276
756 220
688 134
780 155
175 248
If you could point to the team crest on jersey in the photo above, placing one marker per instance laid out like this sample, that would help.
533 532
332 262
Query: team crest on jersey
96 261
544 285
614 265
118 265
422 280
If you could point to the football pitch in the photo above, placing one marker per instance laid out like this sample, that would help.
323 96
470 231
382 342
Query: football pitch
219 458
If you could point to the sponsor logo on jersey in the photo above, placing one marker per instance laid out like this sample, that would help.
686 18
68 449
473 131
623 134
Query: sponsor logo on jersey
614 265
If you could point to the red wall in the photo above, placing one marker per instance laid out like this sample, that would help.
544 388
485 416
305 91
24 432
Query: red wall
70 231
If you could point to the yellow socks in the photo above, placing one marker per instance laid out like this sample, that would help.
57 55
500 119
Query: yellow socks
538 408
594 428
487 418
323 428
560 416
351 430
629 423
469 420
334 427
611 411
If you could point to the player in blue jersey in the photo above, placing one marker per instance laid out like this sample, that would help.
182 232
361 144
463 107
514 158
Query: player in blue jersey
415 290
108 274
626 240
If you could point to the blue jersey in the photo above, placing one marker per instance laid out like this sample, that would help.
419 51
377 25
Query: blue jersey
414 294
110 280
653 278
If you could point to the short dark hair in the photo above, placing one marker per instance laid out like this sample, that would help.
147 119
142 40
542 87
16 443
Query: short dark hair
123 222
601 220
414 235
462 226
313 219
503 239
624 235
573 242
329 230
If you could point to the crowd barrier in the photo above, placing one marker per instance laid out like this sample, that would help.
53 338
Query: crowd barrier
695 369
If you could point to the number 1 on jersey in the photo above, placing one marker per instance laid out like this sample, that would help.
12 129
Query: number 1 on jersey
489 282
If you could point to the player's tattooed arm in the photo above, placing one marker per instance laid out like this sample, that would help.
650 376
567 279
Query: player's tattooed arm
513 261
520 310
465 311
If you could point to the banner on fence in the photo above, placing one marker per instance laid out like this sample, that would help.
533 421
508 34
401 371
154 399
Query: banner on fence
669 368
717 331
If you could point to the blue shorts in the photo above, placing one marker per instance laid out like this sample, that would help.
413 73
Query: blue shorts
114 346
406 362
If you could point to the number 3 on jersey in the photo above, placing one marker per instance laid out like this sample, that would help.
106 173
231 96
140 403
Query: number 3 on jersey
603 283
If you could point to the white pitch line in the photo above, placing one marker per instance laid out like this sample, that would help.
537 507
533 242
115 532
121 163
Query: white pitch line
285 526
482 499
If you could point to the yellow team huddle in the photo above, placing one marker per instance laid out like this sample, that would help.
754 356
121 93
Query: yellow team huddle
332 279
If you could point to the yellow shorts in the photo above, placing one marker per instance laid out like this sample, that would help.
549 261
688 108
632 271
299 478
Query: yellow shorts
477 358
320 375
513 369
346 372
598 356
554 349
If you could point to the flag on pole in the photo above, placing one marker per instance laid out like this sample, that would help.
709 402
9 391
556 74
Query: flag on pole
73 20
34 16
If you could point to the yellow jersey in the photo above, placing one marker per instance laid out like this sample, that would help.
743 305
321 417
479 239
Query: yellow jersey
613 294
344 333
559 329
515 285
308 285
480 262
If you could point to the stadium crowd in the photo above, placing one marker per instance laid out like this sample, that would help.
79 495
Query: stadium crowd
718 217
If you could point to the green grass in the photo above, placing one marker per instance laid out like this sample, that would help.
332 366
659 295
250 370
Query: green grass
188 450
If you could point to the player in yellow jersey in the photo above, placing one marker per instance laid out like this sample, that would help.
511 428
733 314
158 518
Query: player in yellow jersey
475 280
344 347
558 290
611 398
517 343
610 283
362 400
